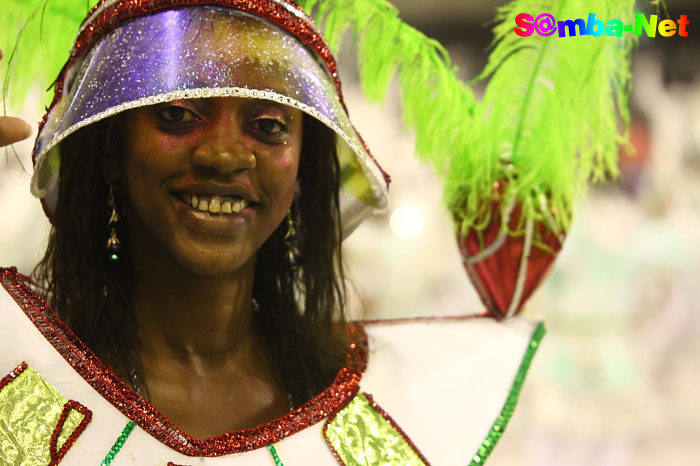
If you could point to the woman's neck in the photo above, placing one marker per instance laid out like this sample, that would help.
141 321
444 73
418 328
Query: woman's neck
191 316
205 366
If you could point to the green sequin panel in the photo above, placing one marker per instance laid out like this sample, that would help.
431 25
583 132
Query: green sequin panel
29 411
362 436
499 426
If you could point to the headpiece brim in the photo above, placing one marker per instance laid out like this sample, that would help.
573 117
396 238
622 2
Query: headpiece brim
200 52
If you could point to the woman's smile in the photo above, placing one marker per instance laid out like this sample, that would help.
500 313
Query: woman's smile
214 213
209 180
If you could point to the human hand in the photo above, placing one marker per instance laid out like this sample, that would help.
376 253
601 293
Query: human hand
12 129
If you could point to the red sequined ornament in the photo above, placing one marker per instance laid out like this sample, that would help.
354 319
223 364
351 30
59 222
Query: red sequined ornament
141 412
55 453
504 276
14 373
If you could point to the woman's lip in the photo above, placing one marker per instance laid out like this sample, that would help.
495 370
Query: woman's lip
213 189
231 200
205 222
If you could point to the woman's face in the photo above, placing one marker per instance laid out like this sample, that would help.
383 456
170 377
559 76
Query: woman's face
209 180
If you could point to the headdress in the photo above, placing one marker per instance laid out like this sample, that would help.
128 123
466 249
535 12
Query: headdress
551 120
131 54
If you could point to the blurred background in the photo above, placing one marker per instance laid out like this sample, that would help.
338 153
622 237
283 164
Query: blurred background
617 379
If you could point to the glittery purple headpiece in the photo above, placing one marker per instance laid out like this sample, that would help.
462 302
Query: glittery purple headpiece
133 54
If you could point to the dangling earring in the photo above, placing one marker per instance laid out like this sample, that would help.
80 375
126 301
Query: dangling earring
290 239
113 241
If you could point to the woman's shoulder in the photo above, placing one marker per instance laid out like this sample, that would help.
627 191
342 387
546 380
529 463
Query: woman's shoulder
21 300
45 395
15 290
11 273
13 281
21 307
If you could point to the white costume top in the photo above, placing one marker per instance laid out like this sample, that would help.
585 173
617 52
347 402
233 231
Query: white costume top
428 391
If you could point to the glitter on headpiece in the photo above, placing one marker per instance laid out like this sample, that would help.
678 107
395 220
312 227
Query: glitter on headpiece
137 53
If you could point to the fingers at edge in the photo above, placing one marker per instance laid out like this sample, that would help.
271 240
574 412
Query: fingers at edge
13 130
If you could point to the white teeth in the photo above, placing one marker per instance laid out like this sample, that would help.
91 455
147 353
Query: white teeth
236 207
239 205
214 205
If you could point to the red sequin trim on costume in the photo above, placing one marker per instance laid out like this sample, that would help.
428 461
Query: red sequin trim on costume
56 454
122 397
14 373
266 9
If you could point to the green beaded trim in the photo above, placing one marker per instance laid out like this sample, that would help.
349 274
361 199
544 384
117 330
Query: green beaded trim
118 444
275 456
499 426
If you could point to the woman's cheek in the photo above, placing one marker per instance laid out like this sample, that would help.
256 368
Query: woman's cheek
283 169
164 144
285 161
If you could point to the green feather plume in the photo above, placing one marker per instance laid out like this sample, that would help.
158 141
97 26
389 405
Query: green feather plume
386 47
552 118
36 37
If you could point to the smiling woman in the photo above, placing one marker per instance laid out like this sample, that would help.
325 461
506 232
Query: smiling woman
244 155
200 172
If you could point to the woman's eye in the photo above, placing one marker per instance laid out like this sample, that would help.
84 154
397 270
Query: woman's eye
269 126
176 114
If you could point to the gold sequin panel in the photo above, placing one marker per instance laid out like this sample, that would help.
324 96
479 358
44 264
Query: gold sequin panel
363 434
30 412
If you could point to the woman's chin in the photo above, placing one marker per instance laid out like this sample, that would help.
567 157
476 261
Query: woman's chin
214 261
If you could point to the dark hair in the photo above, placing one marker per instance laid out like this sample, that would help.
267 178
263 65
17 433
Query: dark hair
301 312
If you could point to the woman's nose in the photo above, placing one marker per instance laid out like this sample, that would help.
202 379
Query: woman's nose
224 150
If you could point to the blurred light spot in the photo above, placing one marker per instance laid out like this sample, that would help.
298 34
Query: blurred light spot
406 222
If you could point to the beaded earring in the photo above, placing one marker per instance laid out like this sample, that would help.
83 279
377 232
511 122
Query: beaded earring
113 241
290 239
